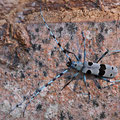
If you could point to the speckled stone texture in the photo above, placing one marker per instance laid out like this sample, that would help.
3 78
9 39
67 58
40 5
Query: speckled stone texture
29 58
47 60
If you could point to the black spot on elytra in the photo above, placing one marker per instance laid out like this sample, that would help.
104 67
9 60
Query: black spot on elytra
90 63
111 75
102 67
88 72
102 70
112 68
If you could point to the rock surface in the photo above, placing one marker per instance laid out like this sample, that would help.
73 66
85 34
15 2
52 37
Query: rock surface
29 58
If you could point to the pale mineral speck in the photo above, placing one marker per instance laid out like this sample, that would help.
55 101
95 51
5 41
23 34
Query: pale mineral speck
5 106
51 111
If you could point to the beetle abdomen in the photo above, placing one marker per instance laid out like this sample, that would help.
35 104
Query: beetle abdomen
102 70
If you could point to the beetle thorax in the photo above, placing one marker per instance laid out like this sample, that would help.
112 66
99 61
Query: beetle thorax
77 65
